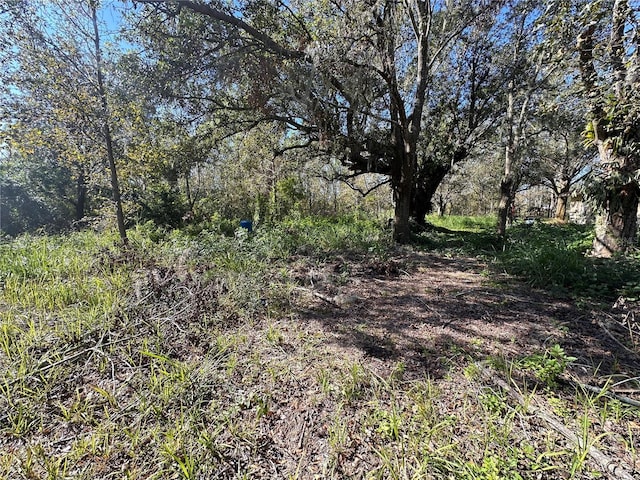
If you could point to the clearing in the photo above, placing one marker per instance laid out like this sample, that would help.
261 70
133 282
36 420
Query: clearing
403 365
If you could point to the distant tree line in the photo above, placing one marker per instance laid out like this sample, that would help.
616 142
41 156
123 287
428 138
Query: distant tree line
176 111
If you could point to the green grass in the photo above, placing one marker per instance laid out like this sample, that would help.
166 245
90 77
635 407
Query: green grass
182 357
460 235
545 255
465 223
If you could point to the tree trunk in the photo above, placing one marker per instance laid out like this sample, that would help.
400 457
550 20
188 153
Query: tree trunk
115 187
81 197
507 187
403 179
108 137
562 202
442 205
506 199
429 179
616 226
561 208
401 225
187 189
507 182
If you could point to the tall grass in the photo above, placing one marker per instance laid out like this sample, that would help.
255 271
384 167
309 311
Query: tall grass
325 236
43 257
545 255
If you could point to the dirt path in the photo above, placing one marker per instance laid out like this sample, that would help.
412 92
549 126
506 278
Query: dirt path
424 309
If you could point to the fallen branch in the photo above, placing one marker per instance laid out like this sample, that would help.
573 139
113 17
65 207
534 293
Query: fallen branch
616 467
325 298
339 301
606 392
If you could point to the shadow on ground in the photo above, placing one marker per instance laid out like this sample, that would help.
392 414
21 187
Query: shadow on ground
430 312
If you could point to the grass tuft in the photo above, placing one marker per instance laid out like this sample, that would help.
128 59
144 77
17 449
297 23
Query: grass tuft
183 357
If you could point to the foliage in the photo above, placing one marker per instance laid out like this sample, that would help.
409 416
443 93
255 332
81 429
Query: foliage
162 205
53 97
545 255
24 207
549 365
556 256
334 93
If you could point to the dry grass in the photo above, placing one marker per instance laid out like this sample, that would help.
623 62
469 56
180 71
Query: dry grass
193 360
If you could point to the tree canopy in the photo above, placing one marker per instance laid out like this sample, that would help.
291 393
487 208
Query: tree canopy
402 91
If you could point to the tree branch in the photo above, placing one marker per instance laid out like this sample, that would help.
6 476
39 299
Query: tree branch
268 43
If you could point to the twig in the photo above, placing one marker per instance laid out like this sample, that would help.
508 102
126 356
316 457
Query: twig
303 430
430 308
632 379
610 335
615 467
329 300
630 324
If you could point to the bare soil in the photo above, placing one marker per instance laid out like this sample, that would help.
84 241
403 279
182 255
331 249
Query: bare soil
434 316
418 308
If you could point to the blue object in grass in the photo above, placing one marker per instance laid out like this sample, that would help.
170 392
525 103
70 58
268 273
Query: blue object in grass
248 224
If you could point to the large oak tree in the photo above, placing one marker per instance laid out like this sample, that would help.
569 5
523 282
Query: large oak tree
354 77
609 63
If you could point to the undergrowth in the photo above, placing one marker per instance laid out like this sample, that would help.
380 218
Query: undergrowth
552 256
181 357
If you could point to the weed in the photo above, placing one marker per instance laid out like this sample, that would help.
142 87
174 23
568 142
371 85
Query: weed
338 433
354 382
274 335
471 371
389 423
585 442
493 402
548 366
324 380
464 223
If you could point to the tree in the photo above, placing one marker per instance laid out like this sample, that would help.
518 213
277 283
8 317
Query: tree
465 98
104 118
472 188
609 64
352 76
531 64
564 161
55 92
